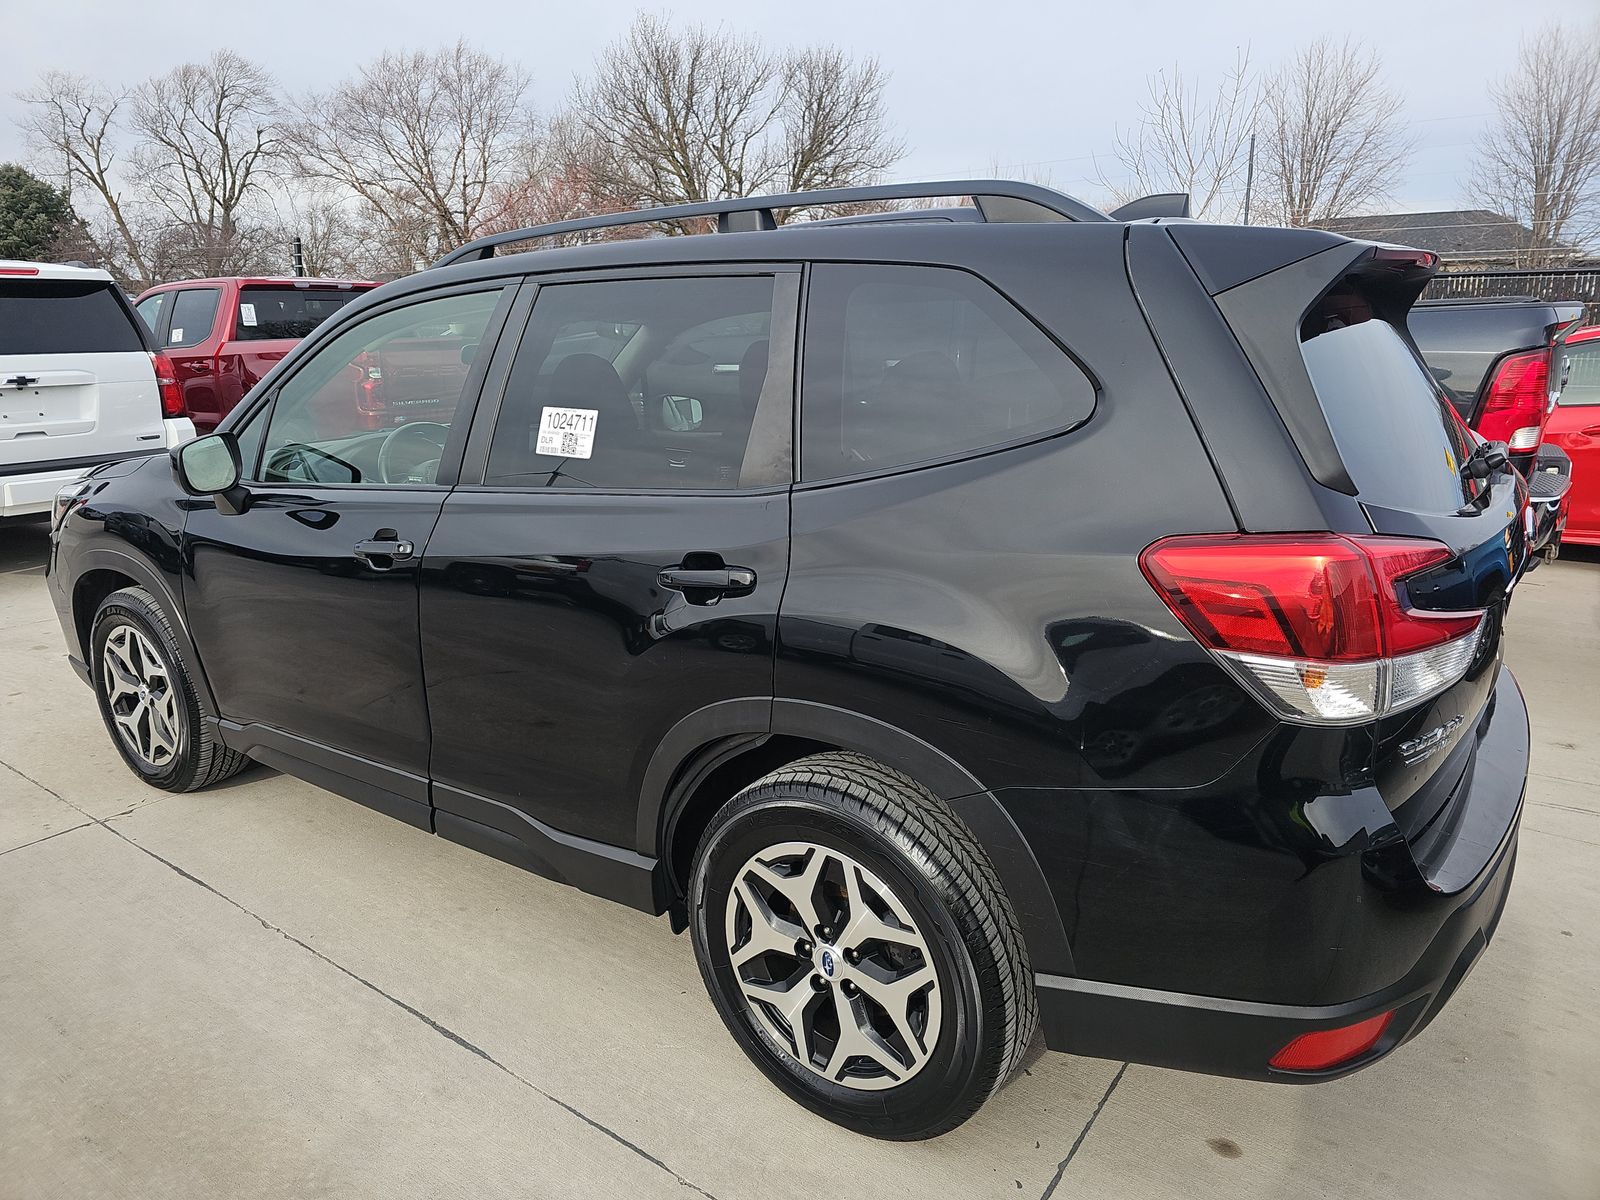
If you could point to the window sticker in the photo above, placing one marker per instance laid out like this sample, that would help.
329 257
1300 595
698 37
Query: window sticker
176 337
247 314
567 432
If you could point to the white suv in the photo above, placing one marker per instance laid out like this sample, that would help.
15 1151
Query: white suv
79 384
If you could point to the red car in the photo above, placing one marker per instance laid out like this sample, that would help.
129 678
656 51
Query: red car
1574 426
219 336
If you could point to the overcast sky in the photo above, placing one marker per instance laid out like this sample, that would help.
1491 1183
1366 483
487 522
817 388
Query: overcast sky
1039 85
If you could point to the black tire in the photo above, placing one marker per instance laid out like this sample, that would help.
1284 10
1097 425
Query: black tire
917 846
199 758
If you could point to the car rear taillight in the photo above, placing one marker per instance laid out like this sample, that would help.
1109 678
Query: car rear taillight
1329 1047
1316 624
168 386
1518 402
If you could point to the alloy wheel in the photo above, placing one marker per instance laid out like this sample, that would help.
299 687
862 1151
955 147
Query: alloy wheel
141 696
831 964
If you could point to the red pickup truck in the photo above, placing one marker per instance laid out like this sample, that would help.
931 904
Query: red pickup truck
220 336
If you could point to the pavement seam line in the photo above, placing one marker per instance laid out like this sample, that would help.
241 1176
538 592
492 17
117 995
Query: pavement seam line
1061 1169
438 1028
46 837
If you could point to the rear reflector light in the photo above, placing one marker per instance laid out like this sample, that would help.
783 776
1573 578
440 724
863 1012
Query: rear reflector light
1329 1047
168 386
1518 401
1316 624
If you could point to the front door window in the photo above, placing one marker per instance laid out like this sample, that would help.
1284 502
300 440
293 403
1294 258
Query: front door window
376 403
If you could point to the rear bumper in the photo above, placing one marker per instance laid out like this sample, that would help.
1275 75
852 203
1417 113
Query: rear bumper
1239 1037
22 495
31 488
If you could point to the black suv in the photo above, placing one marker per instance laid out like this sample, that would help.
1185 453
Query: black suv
962 621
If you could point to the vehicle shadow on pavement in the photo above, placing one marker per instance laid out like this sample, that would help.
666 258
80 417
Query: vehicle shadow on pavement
24 544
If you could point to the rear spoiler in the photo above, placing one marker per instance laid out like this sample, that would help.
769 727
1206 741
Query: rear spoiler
1265 279
1161 204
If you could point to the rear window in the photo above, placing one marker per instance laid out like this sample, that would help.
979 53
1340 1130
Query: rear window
64 316
286 312
1396 432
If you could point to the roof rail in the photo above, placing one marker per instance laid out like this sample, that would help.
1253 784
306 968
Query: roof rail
997 200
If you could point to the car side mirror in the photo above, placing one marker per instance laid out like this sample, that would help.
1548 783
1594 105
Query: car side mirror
210 466
681 414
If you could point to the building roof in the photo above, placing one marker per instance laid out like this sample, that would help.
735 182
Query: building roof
1467 233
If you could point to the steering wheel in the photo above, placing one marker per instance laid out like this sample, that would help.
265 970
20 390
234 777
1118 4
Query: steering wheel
426 437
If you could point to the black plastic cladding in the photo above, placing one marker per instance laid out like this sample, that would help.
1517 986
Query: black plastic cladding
981 624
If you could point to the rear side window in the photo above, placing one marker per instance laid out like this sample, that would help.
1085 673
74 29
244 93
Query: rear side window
910 364
64 316
287 312
194 313
1396 432
1583 376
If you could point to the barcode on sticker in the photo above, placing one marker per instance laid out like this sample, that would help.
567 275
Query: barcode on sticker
567 432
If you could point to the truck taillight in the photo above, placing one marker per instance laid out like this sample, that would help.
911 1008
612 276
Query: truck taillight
1316 624
167 385
1518 402
370 406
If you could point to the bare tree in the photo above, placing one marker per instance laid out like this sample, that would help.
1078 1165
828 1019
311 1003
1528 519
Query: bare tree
1332 137
1539 162
211 133
674 115
422 139
835 128
1189 140
74 125
330 224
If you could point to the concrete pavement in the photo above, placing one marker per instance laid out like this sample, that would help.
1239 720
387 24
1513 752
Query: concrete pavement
264 990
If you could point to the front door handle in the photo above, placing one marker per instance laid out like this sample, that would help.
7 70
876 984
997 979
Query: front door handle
707 585
383 549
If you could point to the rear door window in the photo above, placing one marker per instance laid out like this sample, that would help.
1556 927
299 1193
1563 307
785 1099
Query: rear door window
912 364
270 313
65 316
194 314
637 384
1396 431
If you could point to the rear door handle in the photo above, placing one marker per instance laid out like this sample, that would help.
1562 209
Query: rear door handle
707 585
1591 431
384 549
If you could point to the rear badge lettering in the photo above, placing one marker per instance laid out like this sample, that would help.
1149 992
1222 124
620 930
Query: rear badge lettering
1418 748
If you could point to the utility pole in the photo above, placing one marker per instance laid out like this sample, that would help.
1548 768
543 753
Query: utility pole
299 257
1249 177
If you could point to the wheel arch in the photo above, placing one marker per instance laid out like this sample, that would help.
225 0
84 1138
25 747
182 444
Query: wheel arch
102 571
715 751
